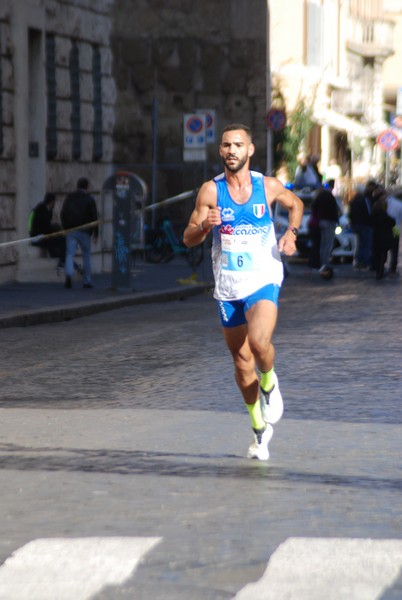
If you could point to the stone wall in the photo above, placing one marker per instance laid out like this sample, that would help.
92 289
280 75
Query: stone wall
24 178
87 23
7 163
176 55
186 56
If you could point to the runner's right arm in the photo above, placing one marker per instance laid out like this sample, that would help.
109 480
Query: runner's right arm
204 216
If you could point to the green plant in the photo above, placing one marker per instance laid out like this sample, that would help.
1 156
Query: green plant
295 134
290 141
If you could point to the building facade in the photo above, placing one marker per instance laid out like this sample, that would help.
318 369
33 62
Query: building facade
392 76
335 61
57 99
179 57
87 87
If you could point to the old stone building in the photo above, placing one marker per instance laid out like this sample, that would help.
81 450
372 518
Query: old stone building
89 86
57 99
185 56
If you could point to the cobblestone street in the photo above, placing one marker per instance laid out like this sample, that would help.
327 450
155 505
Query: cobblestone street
128 423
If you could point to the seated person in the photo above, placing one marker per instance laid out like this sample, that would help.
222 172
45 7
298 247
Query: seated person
40 223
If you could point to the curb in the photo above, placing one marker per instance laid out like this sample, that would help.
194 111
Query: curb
84 309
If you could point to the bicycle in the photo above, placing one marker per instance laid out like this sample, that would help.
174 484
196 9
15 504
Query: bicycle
163 244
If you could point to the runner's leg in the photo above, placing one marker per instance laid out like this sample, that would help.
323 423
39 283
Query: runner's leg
262 317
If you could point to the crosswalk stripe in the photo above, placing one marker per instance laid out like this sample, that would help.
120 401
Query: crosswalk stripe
331 568
67 569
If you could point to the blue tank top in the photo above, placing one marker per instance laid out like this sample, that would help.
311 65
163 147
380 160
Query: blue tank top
245 255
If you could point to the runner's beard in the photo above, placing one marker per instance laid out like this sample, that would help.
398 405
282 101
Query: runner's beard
236 167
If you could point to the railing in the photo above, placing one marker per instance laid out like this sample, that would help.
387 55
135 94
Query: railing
139 242
171 200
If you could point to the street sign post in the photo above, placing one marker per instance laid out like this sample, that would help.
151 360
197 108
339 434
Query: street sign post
194 132
276 119
210 124
388 141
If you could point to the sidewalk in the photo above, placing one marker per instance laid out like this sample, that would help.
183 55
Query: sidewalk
24 304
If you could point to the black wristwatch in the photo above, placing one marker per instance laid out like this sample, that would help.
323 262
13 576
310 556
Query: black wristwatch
294 230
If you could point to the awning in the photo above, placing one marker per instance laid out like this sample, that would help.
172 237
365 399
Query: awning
333 119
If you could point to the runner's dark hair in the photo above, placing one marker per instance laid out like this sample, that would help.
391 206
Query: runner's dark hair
236 126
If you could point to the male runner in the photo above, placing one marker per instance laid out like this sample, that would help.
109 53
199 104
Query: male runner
248 271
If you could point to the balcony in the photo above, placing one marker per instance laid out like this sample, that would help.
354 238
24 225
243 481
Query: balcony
348 102
371 39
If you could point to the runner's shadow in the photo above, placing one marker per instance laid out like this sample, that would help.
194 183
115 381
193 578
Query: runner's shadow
170 464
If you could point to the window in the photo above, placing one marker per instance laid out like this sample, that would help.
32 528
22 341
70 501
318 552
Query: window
51 125
97 103
75 101
314 34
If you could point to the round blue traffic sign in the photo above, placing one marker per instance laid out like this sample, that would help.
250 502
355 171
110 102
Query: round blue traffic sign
388 140
194 124
276 119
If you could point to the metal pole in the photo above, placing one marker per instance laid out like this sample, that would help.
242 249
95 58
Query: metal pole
268 92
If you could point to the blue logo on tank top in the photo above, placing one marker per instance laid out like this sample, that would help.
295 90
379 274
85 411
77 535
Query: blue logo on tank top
227 214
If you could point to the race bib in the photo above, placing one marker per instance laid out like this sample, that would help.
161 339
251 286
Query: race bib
240 252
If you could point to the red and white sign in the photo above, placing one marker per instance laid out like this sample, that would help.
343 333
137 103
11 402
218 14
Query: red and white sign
210 119
194 129
388 140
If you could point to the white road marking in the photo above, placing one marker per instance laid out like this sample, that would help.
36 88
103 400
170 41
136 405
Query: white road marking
70 569
334 569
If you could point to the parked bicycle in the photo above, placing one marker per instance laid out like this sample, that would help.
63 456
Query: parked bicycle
161 245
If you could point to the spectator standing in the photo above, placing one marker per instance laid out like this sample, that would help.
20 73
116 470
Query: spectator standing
383 235
79 208
360 210
41 223
394 209
326 208
315 237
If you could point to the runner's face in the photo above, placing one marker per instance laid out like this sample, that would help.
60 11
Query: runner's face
235 150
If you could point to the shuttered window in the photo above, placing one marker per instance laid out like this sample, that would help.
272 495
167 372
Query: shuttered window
75 101
1 108
97 103
51 123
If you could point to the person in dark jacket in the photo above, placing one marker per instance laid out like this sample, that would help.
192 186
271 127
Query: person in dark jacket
79 209
383 234
361 207
315 237
41 223
327 211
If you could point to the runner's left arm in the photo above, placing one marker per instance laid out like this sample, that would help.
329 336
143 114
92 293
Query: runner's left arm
275 191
